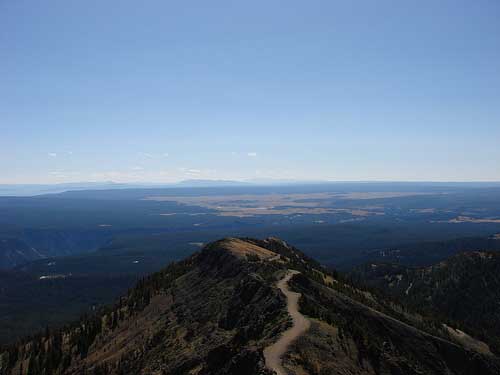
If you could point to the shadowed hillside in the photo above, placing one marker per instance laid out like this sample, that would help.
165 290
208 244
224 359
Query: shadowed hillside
464 289
216 312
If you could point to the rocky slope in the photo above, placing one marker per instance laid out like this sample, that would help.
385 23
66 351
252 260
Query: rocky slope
463 289
217 311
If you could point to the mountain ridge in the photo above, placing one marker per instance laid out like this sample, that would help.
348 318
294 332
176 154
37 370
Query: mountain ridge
216 311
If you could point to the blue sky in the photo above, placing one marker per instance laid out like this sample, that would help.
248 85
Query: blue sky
161 91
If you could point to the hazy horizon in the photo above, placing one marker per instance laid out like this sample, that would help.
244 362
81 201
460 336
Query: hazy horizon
253 182
386 91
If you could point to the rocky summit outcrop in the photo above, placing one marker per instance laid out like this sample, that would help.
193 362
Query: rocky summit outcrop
218 310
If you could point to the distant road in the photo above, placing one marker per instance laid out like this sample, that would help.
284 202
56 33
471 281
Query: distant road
273 354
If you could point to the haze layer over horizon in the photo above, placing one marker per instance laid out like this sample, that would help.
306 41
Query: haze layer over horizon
323 90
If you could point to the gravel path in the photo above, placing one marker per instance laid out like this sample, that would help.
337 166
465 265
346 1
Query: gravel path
275 352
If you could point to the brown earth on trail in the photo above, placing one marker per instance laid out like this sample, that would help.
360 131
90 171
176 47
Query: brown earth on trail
273 354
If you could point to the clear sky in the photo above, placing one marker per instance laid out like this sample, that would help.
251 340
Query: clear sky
166 90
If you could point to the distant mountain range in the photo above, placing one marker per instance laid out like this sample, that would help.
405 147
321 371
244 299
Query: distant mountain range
224 309
39 189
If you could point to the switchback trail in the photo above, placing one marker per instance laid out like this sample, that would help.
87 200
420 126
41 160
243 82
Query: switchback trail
275 352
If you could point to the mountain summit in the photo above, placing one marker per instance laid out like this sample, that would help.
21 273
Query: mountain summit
247 306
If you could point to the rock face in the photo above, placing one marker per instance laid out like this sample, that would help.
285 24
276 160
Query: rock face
216 311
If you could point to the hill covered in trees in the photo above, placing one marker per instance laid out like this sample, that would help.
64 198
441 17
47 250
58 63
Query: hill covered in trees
216 311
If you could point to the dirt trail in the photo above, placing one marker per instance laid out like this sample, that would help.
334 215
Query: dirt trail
274 352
